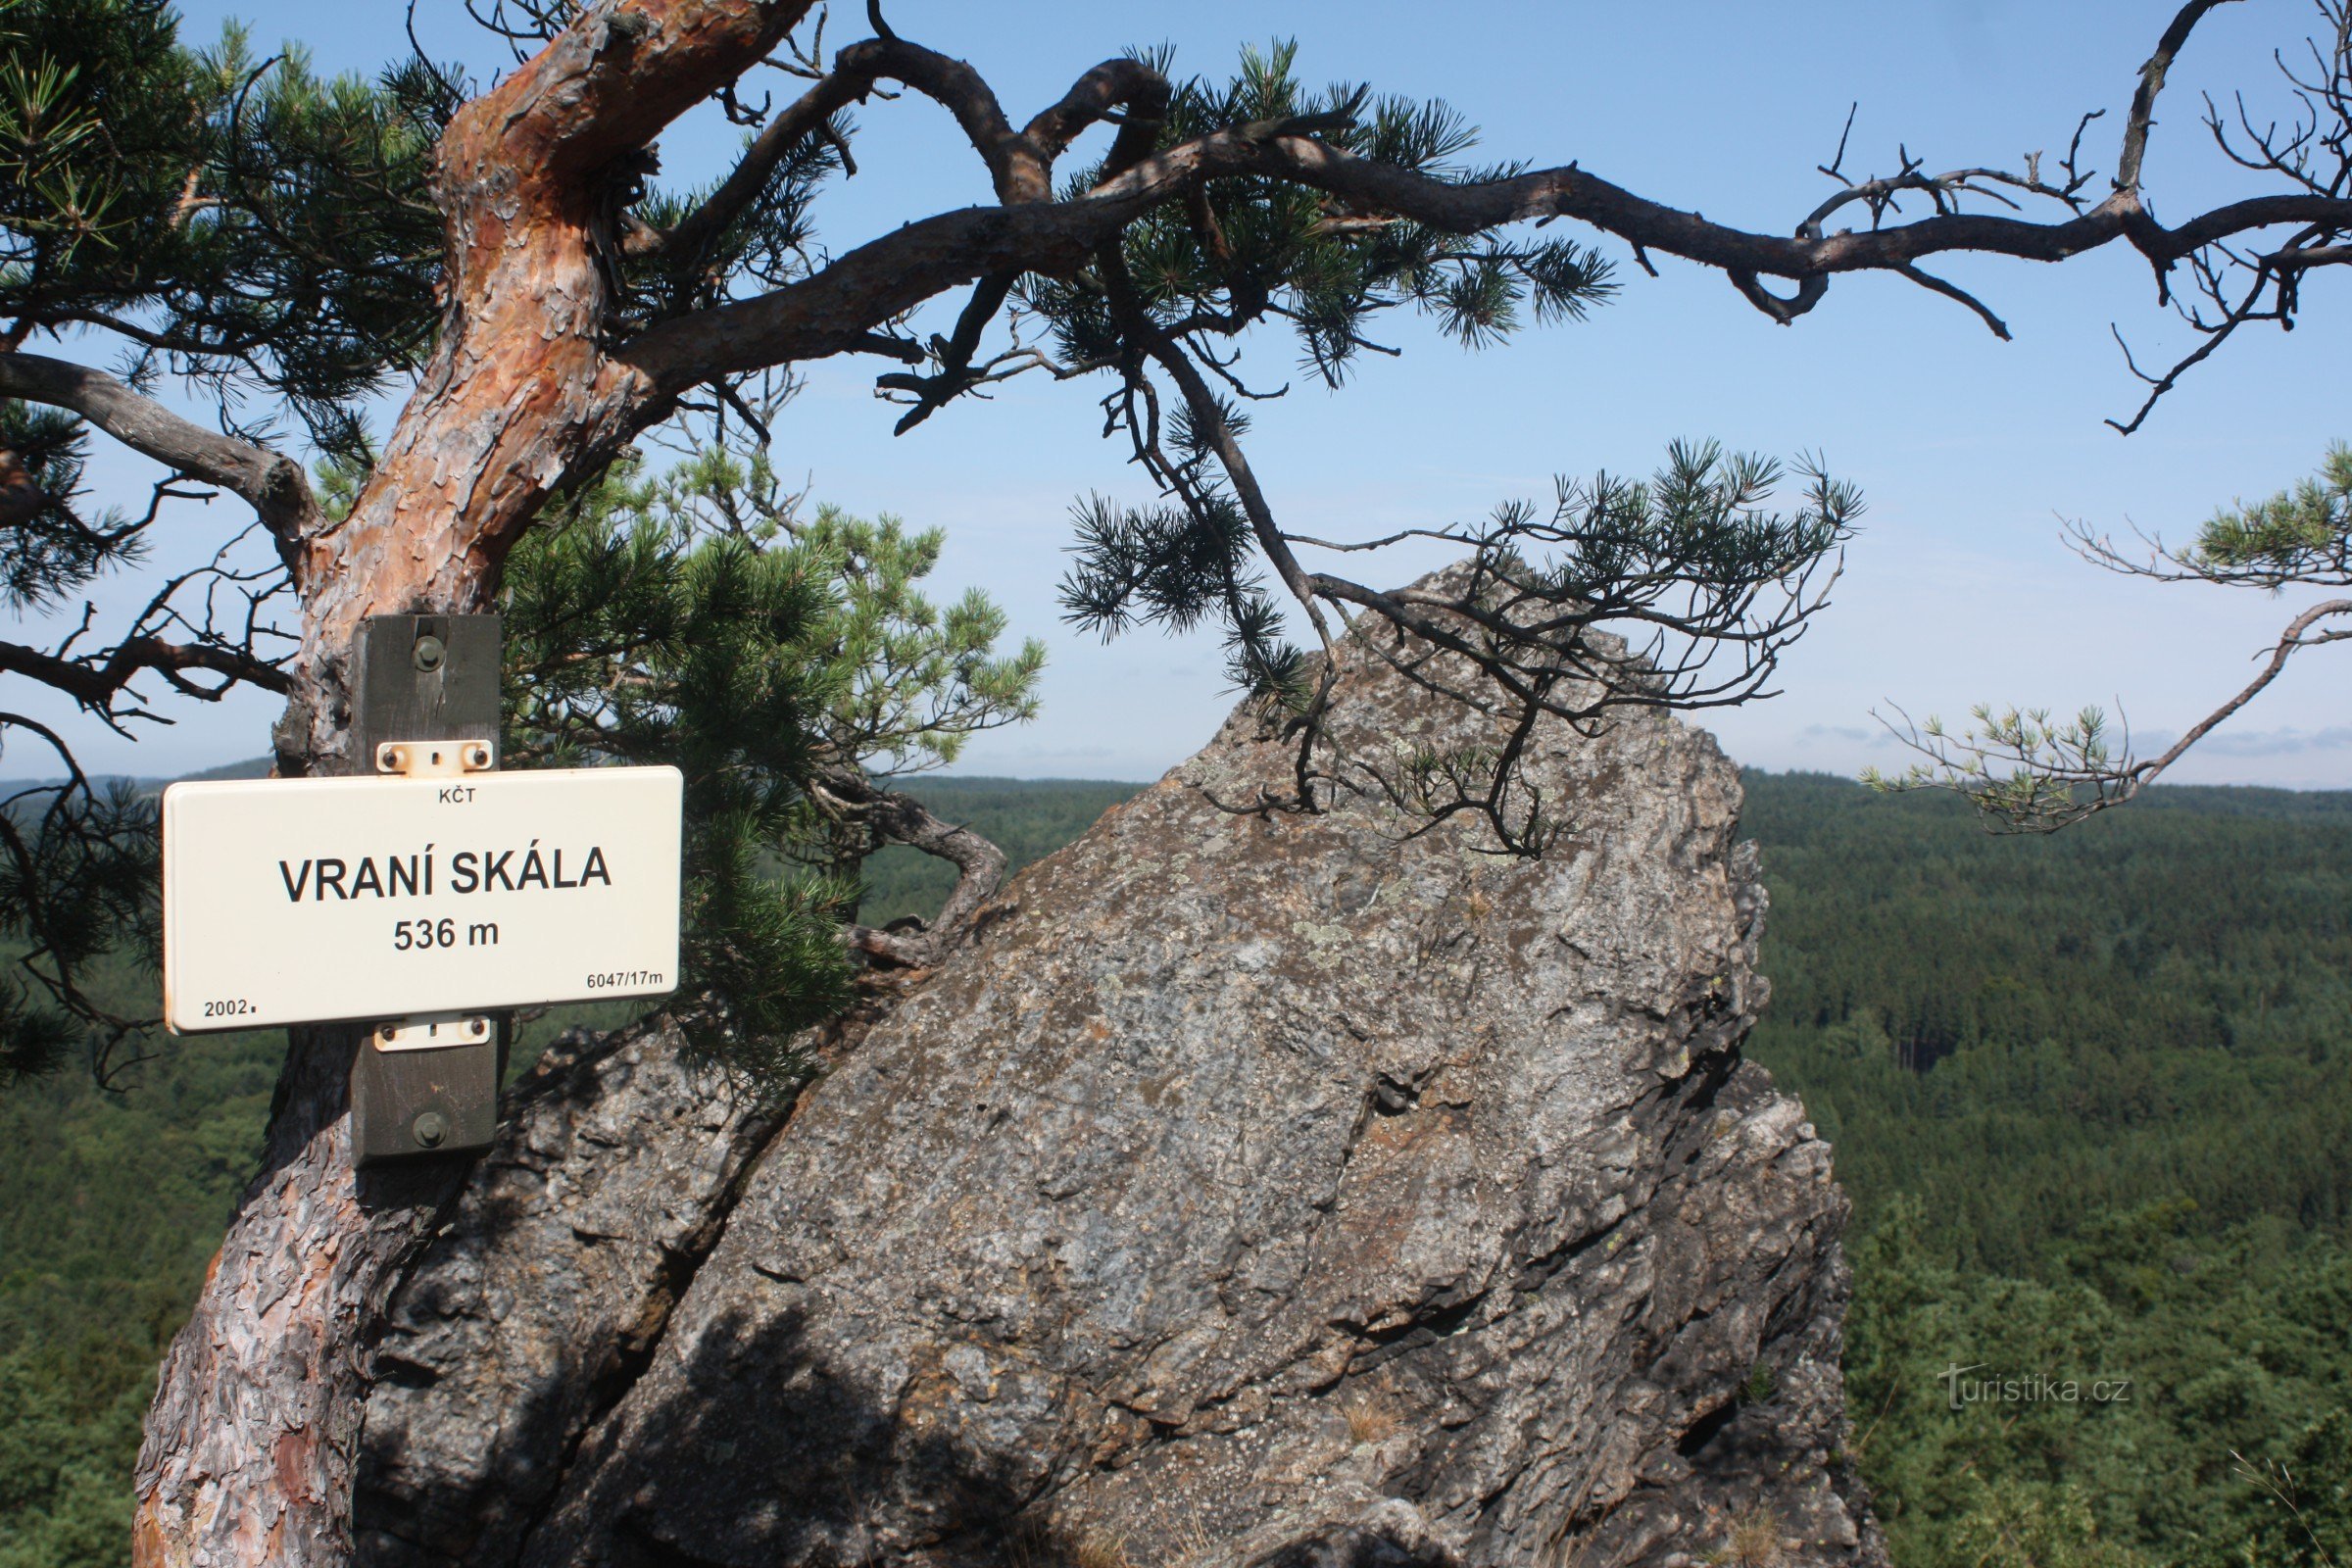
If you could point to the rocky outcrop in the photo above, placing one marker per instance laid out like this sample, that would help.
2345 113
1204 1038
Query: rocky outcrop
1254 1185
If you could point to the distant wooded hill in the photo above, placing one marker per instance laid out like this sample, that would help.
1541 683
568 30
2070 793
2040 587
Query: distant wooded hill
2092 1097
250 768
1027 818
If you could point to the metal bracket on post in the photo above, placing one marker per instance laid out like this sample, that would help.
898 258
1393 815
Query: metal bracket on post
426 690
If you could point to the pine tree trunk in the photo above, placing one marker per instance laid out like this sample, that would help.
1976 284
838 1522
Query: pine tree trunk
250 1441
255 1427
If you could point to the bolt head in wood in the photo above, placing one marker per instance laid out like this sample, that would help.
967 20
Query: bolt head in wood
429 653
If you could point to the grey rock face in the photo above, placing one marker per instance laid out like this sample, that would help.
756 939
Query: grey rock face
1256 1187
546 1293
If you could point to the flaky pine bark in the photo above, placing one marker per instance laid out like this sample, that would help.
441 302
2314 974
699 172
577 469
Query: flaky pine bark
532 179
253 1433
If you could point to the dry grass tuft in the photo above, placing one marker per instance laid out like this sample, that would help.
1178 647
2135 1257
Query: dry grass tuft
1193 1548
1028 1547
1032 1545
1754 1542
1102 1551
1368 1424
1564 1551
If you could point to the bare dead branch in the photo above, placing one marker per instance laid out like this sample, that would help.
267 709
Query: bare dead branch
891 275
2142 117
689 242
1115 83
95 684
1937 285
2298 635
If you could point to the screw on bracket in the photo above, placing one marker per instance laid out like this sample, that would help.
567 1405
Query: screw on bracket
434 758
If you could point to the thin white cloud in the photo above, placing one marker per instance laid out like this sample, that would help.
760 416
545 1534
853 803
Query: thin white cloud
2289 742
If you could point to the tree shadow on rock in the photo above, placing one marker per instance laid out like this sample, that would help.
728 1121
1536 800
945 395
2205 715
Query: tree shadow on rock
522 1327
756 1449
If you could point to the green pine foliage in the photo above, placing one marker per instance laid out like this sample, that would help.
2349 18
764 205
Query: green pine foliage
78 895
695 618
2299 535
917 680
2032 772
238 218
235 221
630 641
1284 255
1250 252
51 555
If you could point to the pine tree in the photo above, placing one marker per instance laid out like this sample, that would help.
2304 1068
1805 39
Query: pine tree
789 666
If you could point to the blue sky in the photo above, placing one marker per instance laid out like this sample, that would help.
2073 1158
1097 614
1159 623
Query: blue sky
1969 450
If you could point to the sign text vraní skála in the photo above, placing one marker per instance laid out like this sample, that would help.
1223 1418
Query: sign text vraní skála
302 900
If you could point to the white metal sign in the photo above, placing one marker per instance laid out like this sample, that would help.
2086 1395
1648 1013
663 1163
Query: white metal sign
298 901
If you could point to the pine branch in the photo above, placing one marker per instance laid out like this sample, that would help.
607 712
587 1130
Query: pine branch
273 485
